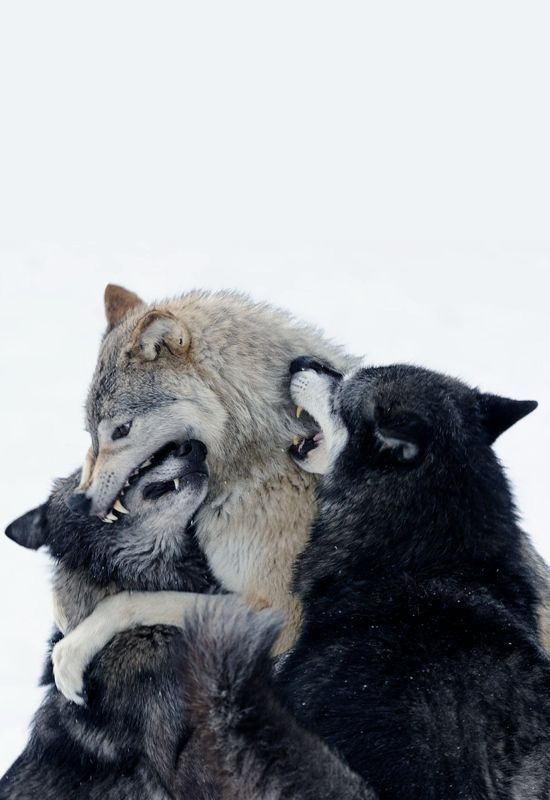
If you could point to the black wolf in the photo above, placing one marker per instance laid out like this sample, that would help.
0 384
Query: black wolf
418 661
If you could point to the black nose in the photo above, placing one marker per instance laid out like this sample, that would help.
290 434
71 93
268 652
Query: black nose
193 450
79 503
307 362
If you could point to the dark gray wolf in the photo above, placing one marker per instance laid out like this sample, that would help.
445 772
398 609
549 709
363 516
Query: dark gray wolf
120 746
418 660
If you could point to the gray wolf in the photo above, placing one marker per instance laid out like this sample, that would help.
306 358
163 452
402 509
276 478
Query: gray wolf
213 367
120 745
418 660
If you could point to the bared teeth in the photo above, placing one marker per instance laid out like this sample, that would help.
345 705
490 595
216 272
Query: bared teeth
111 517
126 484
296 441
117 505
106 519
299 410
146 463
176 484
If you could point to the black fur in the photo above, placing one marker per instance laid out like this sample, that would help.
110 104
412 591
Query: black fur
129 735
245 744
419 659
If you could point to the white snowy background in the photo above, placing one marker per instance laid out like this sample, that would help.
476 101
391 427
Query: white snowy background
381 169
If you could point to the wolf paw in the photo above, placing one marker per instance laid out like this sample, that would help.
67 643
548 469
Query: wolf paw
70 658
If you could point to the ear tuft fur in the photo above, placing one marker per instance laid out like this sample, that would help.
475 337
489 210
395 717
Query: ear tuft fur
31 529
500 413
118 301
157 331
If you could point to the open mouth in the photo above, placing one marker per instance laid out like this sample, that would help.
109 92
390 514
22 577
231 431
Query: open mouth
303 445
155 489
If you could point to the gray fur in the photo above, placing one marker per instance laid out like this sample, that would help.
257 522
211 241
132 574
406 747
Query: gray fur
230 389
246 745
126 739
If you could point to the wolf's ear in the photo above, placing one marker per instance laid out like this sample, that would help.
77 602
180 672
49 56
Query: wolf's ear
30 530
405 434
500 413
158 332
118 301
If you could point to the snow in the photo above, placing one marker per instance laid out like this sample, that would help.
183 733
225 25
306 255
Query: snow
381 170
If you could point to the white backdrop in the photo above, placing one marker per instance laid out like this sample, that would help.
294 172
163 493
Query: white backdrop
381 169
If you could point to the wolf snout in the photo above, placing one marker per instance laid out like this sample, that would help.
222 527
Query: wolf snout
304 363
80 503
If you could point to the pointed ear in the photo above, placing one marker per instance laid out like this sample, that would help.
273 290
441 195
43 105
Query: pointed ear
500 413
118 301
30 530
156 333
403 433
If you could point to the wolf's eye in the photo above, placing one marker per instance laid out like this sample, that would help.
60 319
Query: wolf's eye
121 430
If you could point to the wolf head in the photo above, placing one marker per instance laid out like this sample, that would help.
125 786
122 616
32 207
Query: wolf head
143 543
208 366
405 450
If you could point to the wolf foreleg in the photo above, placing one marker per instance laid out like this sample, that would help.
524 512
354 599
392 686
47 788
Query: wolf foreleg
113 615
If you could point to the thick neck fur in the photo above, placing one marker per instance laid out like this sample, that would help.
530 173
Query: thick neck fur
443 521
85 574
93 559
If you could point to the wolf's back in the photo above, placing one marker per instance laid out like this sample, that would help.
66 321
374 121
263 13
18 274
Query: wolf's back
246 743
